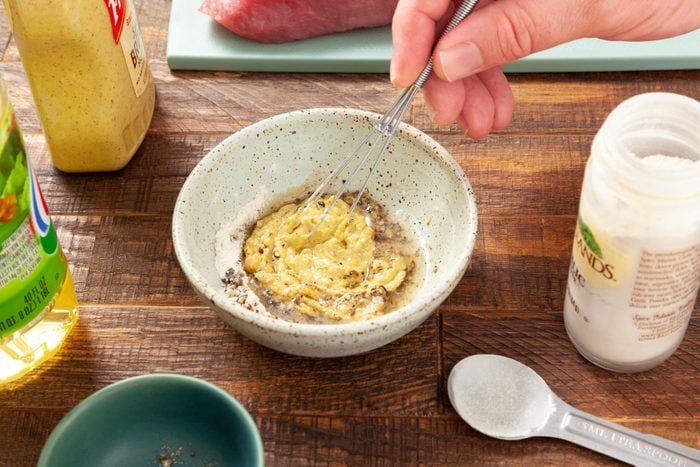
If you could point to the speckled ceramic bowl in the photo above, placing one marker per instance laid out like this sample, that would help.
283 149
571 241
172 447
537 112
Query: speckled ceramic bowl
280 158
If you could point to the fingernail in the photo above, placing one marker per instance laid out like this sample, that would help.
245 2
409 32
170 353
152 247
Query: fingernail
432 112
463 125
460 61
392 72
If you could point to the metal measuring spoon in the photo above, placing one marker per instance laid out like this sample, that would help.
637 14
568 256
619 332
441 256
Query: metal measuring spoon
505 399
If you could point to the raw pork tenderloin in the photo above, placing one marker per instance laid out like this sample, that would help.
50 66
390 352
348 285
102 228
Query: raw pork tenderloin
276 21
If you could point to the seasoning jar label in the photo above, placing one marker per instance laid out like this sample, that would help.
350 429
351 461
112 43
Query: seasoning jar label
664 289
629 288
126 32
32 266
603 263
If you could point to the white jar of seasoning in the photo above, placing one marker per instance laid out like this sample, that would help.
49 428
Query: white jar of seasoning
635 268
92 85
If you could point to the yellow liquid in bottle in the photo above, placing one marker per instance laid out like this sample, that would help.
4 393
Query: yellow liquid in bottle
39 340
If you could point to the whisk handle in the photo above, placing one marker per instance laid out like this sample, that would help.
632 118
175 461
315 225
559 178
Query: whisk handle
462 12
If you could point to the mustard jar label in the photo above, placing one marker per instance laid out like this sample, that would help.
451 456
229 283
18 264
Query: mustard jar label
126 33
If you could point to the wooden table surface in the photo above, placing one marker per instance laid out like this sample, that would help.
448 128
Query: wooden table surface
139 315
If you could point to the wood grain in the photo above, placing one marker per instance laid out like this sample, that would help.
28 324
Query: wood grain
223 102
307 440
384 398
388 407
539 340
111 343
538 176
519 263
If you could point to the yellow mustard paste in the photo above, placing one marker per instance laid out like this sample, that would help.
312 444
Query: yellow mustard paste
91 82
338 273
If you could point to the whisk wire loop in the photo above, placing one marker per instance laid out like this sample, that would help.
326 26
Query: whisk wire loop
389 123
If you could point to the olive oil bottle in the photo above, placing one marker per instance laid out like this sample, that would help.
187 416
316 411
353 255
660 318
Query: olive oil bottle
38 306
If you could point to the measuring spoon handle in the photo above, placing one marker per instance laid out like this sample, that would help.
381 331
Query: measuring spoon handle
617 441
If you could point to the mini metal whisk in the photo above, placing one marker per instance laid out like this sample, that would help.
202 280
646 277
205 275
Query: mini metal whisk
382 133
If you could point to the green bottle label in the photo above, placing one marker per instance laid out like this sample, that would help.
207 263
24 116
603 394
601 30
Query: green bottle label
32 266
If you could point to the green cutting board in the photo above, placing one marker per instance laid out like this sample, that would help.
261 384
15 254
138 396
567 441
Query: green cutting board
196 42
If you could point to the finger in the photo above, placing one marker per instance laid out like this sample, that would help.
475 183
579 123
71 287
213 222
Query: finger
413 36
504 31
504 103
478 108
444 100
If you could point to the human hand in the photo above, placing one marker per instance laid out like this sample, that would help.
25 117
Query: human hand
468 85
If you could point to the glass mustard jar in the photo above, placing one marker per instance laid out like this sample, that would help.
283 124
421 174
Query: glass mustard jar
91 82
635 268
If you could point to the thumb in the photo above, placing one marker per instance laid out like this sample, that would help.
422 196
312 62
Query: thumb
504 31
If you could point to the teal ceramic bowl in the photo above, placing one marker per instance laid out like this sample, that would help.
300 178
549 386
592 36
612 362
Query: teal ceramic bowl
155 420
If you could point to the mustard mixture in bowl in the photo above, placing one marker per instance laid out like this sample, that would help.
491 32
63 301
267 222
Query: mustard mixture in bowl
347 270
